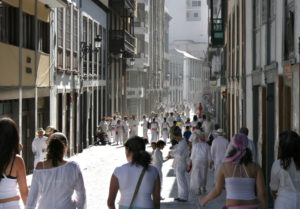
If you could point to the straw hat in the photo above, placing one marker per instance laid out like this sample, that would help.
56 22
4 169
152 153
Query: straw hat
220 131
40 130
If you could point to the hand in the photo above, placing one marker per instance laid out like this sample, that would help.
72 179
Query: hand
202 202
43 150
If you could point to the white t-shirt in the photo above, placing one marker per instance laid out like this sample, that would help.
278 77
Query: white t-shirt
287 183
201 152
128 176
54 187
218 149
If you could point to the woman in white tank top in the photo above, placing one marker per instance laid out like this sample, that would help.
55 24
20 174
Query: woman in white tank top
285 174
239 175
125 179
13 186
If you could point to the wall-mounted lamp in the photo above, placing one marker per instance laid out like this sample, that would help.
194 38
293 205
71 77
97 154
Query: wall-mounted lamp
84 48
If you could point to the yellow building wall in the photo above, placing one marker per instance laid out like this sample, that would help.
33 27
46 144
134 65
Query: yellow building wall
9 67
29 8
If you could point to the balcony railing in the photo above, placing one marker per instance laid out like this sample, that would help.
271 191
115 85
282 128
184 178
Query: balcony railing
122 41
120 5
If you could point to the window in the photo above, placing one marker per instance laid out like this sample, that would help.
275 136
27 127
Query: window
84 40
196 3
75 40
100 53
44 37
289 35
9 24
60 26
28 31
90 42
68 27
193 15
196 14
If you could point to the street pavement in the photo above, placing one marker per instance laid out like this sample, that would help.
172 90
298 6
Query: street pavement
98 163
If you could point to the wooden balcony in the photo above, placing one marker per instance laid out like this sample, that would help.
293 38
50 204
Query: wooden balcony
123 7
122 41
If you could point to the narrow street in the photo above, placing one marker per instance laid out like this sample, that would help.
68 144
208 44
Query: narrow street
98 163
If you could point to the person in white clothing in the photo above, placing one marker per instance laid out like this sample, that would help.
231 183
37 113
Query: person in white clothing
145 126
285 173
157 159
195 135
119 132
125 126
171 119
13 184
187 111
39 146
154 130
57 179
103 126
180 155
218 151
125 179
200 159
133 126
165 130
113 128
207 126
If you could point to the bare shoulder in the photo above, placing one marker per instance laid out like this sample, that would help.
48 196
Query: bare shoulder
19 161
39 166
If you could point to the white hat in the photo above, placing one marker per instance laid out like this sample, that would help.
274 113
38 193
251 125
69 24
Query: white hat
220 131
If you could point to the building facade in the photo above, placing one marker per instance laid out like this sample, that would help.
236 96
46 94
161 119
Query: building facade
139 66
25 66
122 46
272 74
156 55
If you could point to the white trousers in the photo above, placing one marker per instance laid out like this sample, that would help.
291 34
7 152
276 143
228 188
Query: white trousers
199 174
165 135
183 191
145 133
153 136
125 136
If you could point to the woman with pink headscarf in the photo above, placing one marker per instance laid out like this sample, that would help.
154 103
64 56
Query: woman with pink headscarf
240 176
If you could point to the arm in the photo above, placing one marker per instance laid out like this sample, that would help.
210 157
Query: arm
156 193
275 181
217 190
33 147
21 178
34 193
113 190
260 184
80 191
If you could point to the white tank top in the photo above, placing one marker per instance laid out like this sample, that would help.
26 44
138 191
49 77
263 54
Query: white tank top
8 185
239 188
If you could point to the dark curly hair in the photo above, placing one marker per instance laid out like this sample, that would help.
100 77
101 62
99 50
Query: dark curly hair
9 142
289 146
56 148
136 145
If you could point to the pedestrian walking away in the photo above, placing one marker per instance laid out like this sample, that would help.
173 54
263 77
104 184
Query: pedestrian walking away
165 130
240 176
285 173
13 186
137 180
47 179
154 130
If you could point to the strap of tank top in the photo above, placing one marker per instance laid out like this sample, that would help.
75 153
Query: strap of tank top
246 171
234 170
12 165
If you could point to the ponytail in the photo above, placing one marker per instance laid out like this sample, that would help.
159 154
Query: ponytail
136 145
141 158
56 148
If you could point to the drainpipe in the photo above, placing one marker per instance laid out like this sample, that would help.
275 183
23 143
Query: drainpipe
20 68
35 66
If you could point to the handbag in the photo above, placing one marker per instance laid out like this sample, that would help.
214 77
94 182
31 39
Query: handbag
137 187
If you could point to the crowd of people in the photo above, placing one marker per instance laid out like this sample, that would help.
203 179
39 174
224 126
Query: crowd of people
195 145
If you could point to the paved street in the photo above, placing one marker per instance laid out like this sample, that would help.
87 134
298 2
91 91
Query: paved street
98 163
